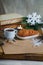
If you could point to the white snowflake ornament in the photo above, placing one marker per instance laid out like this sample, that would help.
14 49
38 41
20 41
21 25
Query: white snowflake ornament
34 14
29 16
33 18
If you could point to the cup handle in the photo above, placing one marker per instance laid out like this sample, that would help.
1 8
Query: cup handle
15 31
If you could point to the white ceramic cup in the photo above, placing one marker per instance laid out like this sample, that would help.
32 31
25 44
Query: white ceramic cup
10 33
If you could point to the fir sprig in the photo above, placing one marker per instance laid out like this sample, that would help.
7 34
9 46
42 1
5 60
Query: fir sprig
29 26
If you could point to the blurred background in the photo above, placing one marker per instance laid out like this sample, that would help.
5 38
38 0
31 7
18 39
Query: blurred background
23 7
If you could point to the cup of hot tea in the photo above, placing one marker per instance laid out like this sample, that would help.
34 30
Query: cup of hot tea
10 33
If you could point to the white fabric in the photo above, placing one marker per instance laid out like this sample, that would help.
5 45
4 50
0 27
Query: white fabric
23 7
15 62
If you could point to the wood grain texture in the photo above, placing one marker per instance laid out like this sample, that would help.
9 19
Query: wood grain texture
1 50
9 26
32 57
21 47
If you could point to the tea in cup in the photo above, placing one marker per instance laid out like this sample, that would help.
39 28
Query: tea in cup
10 33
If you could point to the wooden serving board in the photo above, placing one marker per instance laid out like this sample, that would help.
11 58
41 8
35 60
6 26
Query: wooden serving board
18 47
21 47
